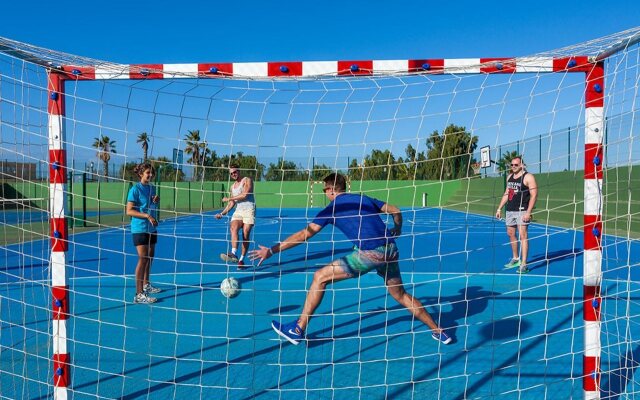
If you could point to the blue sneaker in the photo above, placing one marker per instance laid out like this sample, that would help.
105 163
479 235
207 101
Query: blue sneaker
290 331
442 337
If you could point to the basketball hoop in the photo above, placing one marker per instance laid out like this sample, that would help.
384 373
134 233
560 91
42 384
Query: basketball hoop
476 168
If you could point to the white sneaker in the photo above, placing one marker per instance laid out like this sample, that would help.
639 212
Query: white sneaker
148 289
143 298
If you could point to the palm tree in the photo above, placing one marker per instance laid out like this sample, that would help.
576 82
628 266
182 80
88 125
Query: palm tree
105 147
199 151
143 139
504 164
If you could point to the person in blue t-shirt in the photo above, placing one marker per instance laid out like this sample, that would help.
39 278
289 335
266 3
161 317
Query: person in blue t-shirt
141 207
358 217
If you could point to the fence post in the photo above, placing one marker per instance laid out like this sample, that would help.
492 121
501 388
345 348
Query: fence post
99 201
540 154
158 181
71 211
84 199
569 149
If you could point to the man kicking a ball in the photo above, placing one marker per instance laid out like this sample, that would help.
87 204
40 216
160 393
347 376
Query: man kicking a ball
357 216
244 217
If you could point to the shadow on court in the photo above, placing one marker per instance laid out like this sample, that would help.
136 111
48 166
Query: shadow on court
616 379
551 257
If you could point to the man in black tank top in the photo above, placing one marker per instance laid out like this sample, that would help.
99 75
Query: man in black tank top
520 198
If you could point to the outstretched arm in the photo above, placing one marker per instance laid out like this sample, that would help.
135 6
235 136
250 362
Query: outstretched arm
397 218
299 237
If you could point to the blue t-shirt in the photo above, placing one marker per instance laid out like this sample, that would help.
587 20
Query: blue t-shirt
357 216
140 195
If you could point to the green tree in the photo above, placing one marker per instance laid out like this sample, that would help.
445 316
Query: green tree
218 167
284 171
450 154
504 164
199 151
379 165
165 170
143 139
127 171
414 166
105 147
320 171
355 171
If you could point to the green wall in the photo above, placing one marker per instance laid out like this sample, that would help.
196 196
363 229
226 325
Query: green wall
399 193
560 196
561 199
184 196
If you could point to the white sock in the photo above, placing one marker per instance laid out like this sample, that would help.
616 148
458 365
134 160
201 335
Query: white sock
234 250
241 257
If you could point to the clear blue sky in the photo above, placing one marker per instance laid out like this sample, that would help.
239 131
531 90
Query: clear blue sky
209 31
199 31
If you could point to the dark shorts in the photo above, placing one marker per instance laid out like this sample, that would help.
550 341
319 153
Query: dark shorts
145 239
383 259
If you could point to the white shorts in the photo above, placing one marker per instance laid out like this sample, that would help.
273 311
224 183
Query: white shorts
248 216
514 218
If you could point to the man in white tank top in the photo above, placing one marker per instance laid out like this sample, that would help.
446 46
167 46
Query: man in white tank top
244 216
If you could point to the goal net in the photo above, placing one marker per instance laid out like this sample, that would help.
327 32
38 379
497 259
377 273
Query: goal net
406 132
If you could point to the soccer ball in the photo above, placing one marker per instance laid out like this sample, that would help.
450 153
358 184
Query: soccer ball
230 287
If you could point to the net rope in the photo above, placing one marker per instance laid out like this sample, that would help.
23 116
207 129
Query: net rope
410 140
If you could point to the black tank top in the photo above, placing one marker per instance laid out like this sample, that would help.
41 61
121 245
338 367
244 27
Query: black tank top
518 194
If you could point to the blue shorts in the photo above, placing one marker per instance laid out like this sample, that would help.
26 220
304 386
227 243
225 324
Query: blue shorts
145 239
383 259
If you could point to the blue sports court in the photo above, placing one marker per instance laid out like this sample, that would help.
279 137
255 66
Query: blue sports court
515 336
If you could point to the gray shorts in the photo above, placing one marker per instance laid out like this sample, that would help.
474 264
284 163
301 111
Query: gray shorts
514 218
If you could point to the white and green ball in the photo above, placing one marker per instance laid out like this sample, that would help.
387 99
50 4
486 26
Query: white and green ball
230 287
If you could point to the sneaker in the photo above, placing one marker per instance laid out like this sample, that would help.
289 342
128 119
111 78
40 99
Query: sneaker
290 331
523 270
241 264
229 257
514 262
148 289
143 298
441 337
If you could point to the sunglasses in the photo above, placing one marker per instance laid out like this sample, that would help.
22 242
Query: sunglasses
515 165
327 188
233 172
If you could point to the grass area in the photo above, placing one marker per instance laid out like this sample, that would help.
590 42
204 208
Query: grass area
560 203
561 199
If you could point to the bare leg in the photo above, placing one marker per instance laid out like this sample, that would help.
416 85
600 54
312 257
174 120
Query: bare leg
142 266
415 307
246 237
152 252
524 243
235 227
321 278
511 231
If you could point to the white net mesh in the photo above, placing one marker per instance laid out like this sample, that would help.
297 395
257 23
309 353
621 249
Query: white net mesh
410 140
